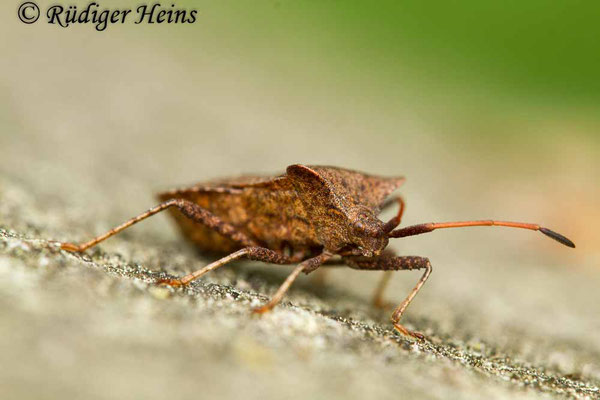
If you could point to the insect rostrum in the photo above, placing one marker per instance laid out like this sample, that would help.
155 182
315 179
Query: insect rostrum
306 216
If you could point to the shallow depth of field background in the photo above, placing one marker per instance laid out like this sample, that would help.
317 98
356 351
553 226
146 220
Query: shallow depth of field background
490 109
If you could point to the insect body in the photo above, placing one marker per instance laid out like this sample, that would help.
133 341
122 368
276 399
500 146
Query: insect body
308 216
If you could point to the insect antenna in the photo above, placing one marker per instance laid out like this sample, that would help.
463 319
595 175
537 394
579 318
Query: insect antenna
424 228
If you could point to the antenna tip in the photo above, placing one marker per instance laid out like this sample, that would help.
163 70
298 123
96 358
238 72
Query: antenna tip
558 237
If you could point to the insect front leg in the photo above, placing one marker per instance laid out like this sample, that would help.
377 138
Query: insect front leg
190 209
391 263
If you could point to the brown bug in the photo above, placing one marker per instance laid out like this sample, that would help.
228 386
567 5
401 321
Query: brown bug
310 215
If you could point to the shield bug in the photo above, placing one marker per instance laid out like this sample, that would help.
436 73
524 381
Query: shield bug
309 216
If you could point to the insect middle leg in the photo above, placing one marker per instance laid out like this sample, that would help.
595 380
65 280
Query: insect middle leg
259 254
391 263
252 253
307 266
190 209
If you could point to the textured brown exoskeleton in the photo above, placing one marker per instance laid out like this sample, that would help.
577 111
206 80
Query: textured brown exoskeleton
308 216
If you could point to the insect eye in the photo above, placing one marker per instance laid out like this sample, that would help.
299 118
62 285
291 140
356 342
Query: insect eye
362 223
359 225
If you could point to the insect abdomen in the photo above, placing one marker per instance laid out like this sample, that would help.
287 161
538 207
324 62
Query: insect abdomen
270 214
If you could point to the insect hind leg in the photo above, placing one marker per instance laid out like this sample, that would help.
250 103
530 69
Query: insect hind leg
189 209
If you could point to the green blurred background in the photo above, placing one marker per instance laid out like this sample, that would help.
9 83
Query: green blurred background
489 108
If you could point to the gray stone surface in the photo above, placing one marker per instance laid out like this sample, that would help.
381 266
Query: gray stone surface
96 326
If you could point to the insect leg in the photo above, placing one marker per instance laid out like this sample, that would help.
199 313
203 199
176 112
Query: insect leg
394 222
187 208
378 296
252 253
397 314
384 281
389 263
307 265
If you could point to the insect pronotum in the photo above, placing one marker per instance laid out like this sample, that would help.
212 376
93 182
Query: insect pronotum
308 216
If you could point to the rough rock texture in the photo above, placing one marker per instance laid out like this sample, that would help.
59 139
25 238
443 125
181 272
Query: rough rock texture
95 326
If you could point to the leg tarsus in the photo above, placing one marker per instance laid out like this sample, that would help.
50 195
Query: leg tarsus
70 247
263 309
400 328
170 282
